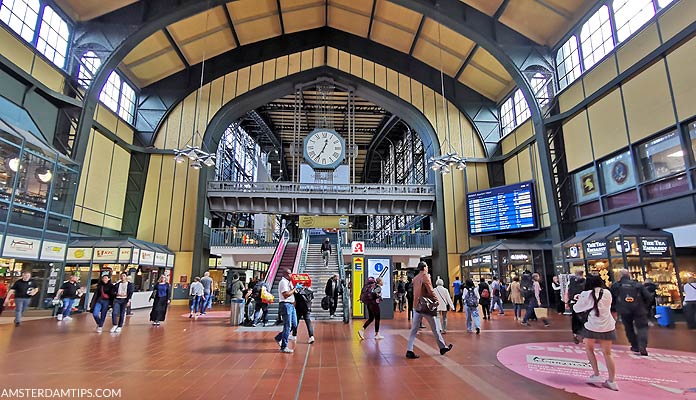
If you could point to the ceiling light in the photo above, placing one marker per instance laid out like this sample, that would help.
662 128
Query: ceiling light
210 161
196 164
679 153
44 174
180 158
14 164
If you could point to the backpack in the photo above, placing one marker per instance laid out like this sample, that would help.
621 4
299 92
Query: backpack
496 289
367 294
485 294
303 299
527 286
401 287
470 299
326 302
629 297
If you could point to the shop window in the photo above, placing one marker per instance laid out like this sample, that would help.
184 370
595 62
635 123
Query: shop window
586 185
9 165
53 37
521 108
568 62
618 173
110 92
34 180
596 39
660 157
21 16
89 65
621 200
507 117
631 15
64 187
126 109
587 209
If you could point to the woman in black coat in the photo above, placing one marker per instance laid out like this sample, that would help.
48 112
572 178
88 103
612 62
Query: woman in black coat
161 295
485 300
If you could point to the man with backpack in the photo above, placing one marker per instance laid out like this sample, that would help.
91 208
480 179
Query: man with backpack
471 302
576 285
632 302
497 289
303 308
532 297
485 298
260 308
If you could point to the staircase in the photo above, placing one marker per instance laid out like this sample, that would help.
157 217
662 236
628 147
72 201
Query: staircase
287 261
320 275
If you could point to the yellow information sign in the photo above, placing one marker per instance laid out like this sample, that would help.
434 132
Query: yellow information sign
323 221
356 283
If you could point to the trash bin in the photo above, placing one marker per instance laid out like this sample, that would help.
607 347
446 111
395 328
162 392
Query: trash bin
236 312
663 314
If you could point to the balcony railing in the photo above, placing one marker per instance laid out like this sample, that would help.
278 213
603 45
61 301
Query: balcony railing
389 239
310 188
243 238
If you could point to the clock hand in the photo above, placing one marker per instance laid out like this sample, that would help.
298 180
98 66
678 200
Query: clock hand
323 148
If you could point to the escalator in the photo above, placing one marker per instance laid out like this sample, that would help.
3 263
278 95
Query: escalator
287 260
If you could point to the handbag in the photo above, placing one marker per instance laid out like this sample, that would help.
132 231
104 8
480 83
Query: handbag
426 306
541 312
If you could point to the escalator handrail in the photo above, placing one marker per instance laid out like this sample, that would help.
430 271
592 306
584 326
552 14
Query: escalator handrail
301 258
277 256
342 277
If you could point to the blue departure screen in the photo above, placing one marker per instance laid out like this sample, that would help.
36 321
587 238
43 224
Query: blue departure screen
502 209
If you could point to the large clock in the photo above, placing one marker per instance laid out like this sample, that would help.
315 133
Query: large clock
324 149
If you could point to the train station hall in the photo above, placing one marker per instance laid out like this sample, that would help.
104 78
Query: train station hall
348 199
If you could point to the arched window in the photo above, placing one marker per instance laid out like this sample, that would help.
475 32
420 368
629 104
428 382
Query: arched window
53 37
126 108
568 62
596 39
21 16
521 108
111 91
89 65
631 15
507 117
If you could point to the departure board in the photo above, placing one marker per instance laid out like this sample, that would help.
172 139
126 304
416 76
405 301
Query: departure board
502 209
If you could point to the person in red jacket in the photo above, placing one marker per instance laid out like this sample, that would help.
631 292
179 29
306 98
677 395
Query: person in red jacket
3 295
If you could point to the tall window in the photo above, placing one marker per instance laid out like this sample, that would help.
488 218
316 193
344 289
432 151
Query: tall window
664 3
53 37
110 92
89 64
507 117
568 62
596 38
126 109
631 15
540 86
21 16
521 108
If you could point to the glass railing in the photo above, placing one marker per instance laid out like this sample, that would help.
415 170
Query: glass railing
243 238
388 239
342 276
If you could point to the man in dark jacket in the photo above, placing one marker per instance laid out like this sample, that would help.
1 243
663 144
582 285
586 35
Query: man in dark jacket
632 301
326 252
576 285
121 298
332 290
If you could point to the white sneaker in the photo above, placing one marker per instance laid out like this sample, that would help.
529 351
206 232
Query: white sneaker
361 333
292 337
611 385
595 379
67 318
378 337
118 330
287 350
113 329
311 339
99 329
59 317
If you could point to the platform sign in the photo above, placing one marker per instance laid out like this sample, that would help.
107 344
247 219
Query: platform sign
356 285
357 248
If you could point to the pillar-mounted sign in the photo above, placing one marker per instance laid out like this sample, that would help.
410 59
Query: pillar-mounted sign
356 285
357 248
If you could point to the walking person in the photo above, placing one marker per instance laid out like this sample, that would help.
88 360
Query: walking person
556 286
533 300
207 283
444 304
196 291
23 290
101 301
485 298
122 293
471 303
161 296
260 308
409 296
423 289
3 296
457 287
372 296
303 307
235 292
401 294
516 297
690 302
632 302
326 252
600 327
286 296
497 299
576 285
69 292
332 290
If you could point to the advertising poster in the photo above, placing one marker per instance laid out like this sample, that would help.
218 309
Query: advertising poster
52 251
381 268
20 247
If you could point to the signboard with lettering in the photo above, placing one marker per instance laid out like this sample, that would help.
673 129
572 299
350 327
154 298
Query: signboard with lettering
502 209
108 254
656 247
147 257
79 254
381 268
20 247
124 255
596 249
136 255
323 221
53 251
160 259
356 285
357 247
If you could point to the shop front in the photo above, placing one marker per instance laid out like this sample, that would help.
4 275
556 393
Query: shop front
646 254
506 259
143 262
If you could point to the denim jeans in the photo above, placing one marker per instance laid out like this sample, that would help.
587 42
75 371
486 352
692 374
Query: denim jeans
101 307
67 307
119 312
260 312
417 320
207 302
325 257
497 300
517 308
287 311
472 315
530 311
197 304
21 304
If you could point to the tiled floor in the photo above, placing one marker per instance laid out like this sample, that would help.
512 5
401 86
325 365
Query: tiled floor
206 359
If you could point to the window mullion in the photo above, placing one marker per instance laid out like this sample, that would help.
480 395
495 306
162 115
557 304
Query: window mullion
612 25
37 27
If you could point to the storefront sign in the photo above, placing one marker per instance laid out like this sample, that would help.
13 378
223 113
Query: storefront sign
147 257
655 247
53 251
20 247
357 247
519 257
105 254
136 255
596 248
160 259
124 255
79 254
170 260
356 283
481 260
381 268
573 252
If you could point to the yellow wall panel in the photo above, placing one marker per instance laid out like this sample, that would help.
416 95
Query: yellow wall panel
454 269
441 127
112 222
450 224
107 118
600 75
417 94
178 207
168 138
454 129
638 47
183 265
648 102
203 109
576 135
307 59
216 88
678 17
344 61
681 69
77 213
607 124
405 87
393 81
293 64
84 172
92 217
243 77
230 87
460 211
482 176
118 182
524 161
512 170
146 226
256 76
281 69
380 76
269 71
509 143
98 179
164 201
471 177
571 96
332 57
429 106
124 131
356 67
15 51
47 74
189 225
319 57
368 73
524 131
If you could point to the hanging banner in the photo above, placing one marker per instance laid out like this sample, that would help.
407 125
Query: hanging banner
105 254
79 254
356 286
381 268
19 247
323 221
53 251
124 255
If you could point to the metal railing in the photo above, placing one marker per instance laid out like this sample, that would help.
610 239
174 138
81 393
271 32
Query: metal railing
243 238
309 188
389 239
277 257
342 276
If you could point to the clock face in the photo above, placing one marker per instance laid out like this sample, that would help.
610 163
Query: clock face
324 148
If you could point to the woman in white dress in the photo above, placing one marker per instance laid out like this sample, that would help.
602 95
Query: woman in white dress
444 304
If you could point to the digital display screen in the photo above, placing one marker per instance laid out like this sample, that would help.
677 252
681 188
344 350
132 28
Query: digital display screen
502 209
